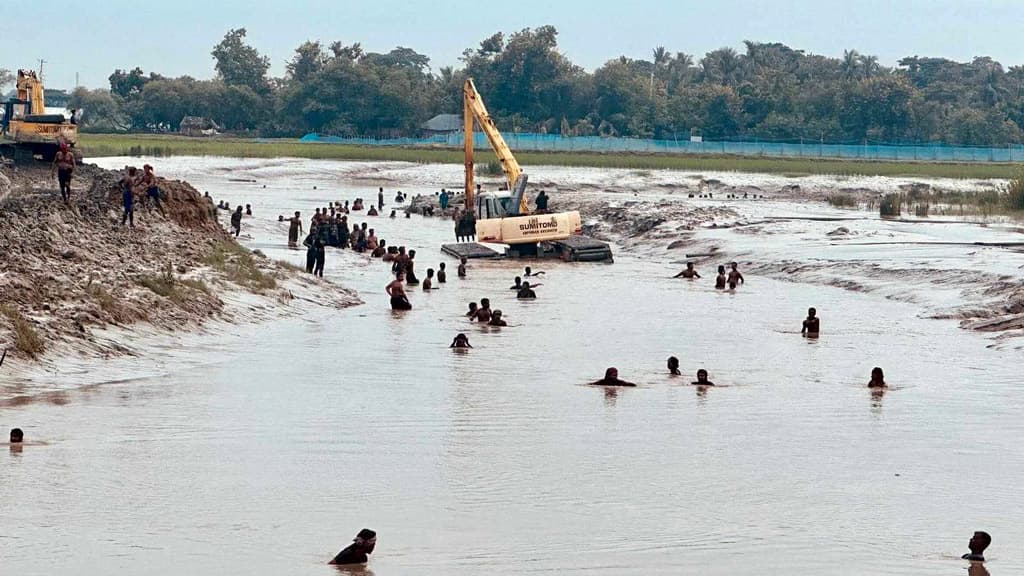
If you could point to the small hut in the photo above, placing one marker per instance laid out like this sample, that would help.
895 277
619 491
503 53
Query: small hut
197 126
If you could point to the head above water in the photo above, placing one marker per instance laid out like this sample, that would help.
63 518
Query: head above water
440 266
732 265
877 375
721 269
366 539
519 280
812 312
689 265
673 363
463 259
17 435
526 285
611 374
430 272
702 375
979 542
473 306
485 302
496 314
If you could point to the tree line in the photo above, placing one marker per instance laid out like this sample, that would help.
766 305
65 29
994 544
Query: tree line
768 91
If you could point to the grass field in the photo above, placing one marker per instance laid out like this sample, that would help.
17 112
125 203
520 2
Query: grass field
95 145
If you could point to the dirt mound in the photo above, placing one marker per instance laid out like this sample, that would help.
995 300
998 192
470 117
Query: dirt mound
66 270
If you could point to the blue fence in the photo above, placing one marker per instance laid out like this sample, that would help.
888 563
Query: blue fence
557 143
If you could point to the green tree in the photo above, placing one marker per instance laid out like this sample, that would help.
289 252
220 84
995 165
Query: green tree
239 64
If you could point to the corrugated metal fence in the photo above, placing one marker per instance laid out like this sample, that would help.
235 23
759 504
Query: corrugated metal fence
557 143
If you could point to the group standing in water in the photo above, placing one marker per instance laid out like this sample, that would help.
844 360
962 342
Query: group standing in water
731 278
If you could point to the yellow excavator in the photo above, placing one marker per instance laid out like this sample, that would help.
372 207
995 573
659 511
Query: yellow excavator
26 129
505 218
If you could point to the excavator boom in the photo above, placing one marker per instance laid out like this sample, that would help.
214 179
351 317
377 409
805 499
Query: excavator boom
474 109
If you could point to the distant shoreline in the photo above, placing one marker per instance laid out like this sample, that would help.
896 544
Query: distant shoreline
105 145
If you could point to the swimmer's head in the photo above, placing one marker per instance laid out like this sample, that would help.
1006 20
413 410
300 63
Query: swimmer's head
673 363
400 275
979 542
297 214
526 285
689 265
496 314
732 265
440 266
528 270
611 374
17 435
366 540
430 272
721 269
702 375
877 375
473 306
463 259
812 312
519 280
485 302
412 253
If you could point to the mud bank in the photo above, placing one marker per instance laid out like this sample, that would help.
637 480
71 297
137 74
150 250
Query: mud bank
77 286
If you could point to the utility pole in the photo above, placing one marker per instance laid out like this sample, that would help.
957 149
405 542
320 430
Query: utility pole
76 80
41 62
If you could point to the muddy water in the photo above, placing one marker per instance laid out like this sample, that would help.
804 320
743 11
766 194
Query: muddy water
500 460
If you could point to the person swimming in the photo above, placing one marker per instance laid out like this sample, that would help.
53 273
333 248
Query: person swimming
702 379
811 323
689 272
483 314
517 284
673 366
611 378
528 272
356 552
526 292
877 378
496 319
473 308
460 341
396 290
720 279
17 436
734 276
977 545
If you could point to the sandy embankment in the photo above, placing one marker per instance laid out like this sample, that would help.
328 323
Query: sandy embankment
75 286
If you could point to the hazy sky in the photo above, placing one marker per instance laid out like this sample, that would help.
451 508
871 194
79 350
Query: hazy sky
175 37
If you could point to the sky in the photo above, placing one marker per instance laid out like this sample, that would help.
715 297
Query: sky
174 38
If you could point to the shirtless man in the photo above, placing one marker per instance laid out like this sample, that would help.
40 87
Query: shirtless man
720 280
673 366
410 273
811 324
702 378
877 378
483 314
735 278
526 293
380 250
977 545
428 282
462 267
496 319
63 166
528 272
473 309
460 341
611 378
294 229
689 273
357 552
442 275
399 301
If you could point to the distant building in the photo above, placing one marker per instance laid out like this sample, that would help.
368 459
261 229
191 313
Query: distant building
197 126
442 124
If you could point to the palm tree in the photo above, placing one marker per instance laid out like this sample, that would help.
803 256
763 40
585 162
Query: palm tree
850 64
869 66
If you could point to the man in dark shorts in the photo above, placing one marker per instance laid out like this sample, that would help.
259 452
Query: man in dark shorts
294 229
812 324
611 378
236 220
148 182
380 198
356 552
399 301
127 185
64 166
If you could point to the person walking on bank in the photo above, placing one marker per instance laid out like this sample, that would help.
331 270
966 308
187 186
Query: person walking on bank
127 185
64 166
236 220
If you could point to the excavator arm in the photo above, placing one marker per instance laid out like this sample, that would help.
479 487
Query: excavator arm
474 109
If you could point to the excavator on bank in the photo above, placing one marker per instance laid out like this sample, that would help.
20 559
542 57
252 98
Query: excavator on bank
505 217
26 130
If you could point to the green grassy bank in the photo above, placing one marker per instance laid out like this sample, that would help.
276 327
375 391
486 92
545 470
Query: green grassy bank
96 145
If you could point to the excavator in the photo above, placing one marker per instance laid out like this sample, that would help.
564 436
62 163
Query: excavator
505 217
26 129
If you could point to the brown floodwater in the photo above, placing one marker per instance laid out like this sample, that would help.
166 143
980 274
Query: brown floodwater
289 438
